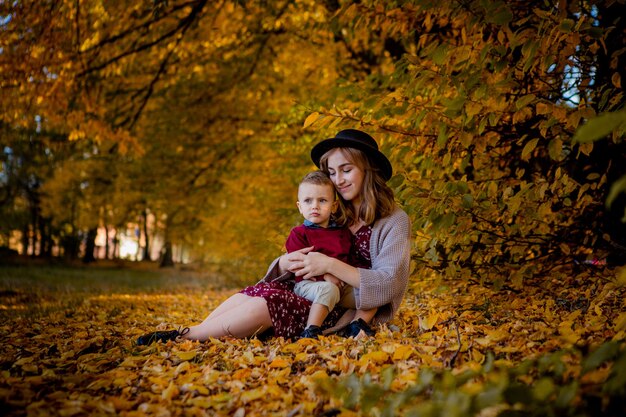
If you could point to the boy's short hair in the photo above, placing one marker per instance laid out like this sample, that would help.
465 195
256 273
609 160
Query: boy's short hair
317 178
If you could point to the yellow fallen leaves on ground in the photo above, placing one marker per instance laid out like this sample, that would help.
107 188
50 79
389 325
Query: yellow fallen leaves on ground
77 356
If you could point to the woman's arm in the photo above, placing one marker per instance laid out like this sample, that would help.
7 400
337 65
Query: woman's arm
316 263
385 283
347 273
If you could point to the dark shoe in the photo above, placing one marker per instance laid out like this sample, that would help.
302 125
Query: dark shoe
161 336
311 332
354 328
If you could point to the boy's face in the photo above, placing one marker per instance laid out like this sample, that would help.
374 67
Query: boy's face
316 203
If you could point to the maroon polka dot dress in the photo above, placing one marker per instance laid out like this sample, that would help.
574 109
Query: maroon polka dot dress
288 311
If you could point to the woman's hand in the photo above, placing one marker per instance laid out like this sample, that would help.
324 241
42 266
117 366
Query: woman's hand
288 260
312 264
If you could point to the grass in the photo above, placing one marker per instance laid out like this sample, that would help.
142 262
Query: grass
108 276
34 289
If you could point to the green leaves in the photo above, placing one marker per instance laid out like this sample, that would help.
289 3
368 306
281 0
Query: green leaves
601 126
598 128
524 388
605 353
567 25
617 188
524 101
497 12
529 147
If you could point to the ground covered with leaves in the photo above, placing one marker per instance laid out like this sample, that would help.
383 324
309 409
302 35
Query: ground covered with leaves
456 348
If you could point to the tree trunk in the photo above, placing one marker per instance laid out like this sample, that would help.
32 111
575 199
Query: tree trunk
146 249
45 232
25 239
167 258
70 242
70 246
35 228
116 240
90 245
106 242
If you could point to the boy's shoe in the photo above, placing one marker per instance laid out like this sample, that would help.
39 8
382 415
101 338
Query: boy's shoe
354 328
161 336
311 332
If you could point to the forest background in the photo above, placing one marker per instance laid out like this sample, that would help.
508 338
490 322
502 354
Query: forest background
192 121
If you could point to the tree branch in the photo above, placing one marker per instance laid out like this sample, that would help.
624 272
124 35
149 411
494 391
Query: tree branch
182 26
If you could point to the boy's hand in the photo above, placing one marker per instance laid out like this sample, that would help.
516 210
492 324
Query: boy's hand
291 261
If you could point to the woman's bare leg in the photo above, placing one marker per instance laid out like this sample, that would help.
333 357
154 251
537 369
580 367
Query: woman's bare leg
243 318
231 302
366 315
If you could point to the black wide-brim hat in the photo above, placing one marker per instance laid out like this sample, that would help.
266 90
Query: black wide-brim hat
352 138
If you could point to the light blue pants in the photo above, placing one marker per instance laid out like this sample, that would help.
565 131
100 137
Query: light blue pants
325 293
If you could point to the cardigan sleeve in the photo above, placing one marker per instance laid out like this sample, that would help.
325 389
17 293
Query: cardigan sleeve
273 273
383 286
295 239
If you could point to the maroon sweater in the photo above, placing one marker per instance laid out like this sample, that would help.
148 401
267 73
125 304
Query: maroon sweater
331 241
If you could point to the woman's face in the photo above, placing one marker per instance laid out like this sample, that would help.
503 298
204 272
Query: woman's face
347 177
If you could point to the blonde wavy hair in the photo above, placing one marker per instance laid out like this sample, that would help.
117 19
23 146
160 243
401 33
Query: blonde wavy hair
377 199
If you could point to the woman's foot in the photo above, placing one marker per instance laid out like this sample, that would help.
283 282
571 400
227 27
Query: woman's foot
354 328
161 336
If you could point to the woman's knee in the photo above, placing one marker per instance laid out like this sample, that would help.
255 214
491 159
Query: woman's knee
258 305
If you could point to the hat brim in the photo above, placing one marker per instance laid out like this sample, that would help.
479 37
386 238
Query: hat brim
377 158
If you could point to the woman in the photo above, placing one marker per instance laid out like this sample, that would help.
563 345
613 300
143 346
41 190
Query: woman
381 232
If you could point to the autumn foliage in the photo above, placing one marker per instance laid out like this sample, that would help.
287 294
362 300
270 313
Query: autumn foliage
196 114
